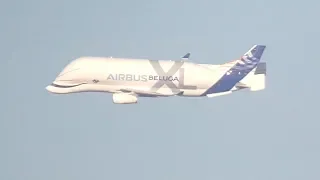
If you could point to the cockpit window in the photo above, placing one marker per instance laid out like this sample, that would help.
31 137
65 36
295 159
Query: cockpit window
70 68
67 70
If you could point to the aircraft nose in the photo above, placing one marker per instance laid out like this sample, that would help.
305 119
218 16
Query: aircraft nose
48 88
52 89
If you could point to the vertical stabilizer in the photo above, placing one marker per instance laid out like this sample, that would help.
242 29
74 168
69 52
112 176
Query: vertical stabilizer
240 70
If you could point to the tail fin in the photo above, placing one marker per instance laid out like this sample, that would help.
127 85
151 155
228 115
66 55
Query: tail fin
238 71
251 58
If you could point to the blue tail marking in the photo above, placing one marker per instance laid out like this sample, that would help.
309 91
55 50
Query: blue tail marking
236 73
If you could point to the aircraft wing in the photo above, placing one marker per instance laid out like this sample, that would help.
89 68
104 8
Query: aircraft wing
143 92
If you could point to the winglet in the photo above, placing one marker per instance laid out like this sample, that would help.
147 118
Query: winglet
186 57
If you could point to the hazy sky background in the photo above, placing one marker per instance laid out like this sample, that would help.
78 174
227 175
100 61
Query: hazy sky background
273 134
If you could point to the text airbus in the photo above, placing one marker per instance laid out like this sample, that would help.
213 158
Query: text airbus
144 78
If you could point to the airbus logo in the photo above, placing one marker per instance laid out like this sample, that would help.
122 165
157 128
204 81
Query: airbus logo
162 78
143 78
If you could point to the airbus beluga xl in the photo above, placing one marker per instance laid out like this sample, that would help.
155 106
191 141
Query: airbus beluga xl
129 79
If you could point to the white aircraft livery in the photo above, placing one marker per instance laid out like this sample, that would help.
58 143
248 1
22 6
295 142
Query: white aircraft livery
129 79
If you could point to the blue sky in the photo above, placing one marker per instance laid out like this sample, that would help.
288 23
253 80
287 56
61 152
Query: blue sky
273 134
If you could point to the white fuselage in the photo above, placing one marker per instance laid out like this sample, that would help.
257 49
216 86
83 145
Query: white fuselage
91 74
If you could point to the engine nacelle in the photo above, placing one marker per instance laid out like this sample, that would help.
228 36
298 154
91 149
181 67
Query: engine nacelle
124 98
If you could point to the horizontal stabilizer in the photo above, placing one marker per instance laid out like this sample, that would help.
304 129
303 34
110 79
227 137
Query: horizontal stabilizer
218 94
256 80
242 85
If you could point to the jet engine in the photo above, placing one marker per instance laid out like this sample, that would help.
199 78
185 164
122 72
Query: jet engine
124 98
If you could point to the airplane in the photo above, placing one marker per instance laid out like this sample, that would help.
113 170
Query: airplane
129 79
